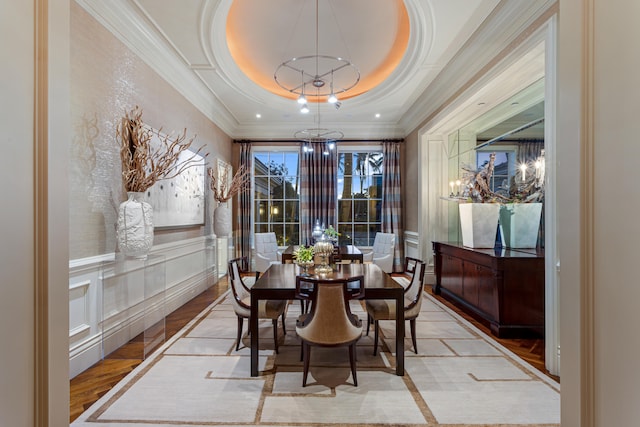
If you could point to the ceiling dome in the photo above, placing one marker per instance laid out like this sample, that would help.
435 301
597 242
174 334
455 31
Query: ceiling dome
261 35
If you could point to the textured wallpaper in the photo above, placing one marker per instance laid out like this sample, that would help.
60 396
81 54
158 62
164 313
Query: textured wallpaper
107 79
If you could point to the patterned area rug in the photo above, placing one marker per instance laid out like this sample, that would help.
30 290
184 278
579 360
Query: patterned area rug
461 377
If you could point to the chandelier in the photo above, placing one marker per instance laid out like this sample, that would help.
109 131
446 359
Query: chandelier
317 77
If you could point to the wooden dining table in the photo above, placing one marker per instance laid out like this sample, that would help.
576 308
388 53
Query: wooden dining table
346 252
279 282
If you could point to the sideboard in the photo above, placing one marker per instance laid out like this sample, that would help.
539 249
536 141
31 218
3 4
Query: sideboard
503 288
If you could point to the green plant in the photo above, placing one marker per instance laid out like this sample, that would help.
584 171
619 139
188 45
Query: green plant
331 232
303 253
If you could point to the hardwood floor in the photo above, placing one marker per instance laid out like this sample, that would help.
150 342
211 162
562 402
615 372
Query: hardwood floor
87 387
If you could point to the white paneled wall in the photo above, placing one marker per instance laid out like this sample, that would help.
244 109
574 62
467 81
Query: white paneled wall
112 299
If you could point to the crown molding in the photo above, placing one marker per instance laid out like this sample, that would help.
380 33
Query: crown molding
488 50
124 20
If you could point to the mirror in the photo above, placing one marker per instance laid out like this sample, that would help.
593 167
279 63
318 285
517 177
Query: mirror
513 129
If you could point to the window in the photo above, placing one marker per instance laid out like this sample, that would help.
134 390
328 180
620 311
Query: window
277 195
359 196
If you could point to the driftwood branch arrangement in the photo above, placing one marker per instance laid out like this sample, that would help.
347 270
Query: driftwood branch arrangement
143 164
222 189
477 183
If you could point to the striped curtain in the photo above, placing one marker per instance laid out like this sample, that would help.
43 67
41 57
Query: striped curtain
243 238
392 200
318 175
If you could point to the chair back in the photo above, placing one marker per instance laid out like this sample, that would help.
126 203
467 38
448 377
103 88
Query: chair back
413 292
238 289
384 244
330 321
267 245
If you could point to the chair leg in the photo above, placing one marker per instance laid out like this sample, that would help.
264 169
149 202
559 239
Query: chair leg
375 337
352 360
275 333
369 320
257 275
239 337
284 328
306 350
412 325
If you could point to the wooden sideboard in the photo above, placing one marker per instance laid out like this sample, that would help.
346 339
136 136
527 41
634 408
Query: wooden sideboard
503 288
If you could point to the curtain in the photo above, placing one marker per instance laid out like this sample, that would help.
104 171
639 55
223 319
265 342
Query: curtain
392 199
243 238
318 175
529 150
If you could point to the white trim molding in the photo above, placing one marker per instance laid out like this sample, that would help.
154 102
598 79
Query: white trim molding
112 299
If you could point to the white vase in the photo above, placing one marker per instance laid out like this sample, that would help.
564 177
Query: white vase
520 223
479 224
222 220
135 226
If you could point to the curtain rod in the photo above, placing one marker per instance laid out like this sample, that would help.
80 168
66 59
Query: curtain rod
292 142
511 132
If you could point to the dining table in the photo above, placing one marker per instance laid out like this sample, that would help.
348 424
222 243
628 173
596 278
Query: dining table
279 283
346 252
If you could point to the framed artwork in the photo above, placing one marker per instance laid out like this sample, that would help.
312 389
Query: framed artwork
180 201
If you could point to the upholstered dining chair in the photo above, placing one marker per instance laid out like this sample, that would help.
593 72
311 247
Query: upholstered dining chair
330 322
386 309
266 247
382 253
241 301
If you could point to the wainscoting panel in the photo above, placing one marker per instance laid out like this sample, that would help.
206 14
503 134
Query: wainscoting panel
112 300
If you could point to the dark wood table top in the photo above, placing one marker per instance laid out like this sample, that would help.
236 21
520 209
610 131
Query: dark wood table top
282 277
349 252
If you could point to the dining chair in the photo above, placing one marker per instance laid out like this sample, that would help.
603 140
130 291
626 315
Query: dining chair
386 309
330 322
382 253
241 301
266 252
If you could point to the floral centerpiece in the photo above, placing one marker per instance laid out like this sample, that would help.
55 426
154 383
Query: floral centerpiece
331 233
147 156
303 256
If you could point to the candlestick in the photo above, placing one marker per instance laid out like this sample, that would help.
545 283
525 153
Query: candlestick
458 186
523 168
451 184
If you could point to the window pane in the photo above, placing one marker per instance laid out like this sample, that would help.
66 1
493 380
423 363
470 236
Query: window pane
262 211
277 188
291 189
360 211
261 160
361 235
291 213
344 210
375 190
345 234
292 233
277 208
279 230
374 210
261 188
262 228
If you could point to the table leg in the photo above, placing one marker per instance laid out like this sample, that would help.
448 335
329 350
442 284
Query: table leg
400 334
253 328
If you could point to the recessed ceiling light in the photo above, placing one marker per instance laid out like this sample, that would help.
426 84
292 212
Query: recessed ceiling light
481 103
515 103
377 115
258 116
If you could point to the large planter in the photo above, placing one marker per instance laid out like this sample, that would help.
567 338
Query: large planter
135 226
520 223
222 220
479 224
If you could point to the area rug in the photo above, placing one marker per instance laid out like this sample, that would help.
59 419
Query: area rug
460 377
